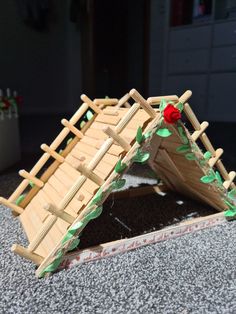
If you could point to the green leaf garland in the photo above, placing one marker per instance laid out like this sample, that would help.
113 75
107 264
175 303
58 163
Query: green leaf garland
207 155
164 132
139 135
120 167
141 157
163 105
183 148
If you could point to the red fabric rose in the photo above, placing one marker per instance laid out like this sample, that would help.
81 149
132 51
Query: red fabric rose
6 103
171 114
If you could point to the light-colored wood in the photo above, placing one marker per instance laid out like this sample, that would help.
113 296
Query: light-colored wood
29 177
41 162
228 182
72 128
106 101
60 214
23 252
90 103
118 139
89 174
17 209
218 153
191 117
123 100
41 234
185 97
52 153
156 100
111 112
198 133
112 120
145 105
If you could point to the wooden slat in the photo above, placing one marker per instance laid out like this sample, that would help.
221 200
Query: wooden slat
139 99
117 138
97 134
112 120
90 103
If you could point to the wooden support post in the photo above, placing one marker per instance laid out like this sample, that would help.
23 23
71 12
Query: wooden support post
228 182
123 100
156 100
105 101
41 234
72 128
214 159
60 214
52 153
90 174
117 138
90 103
185 97
29 177
139 99
23 252
17 209
198 133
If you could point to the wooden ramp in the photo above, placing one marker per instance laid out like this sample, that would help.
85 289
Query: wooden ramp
63 195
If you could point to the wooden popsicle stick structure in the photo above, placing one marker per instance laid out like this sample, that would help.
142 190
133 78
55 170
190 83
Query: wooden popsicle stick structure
61 197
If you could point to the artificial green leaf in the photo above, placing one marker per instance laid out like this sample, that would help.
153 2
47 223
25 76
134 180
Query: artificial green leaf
31 184
89 115
180 106
20 199
207 179
82 124
95 213
116 185
69 140
183 148
202 162
163 104
218 178
139 135
120 167
97 198
74 244
231 206
182 135
141 157
207 155
163 132
230 214
232 194
190 156
147 135
54 265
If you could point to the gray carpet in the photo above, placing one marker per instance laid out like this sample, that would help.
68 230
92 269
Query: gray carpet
192 274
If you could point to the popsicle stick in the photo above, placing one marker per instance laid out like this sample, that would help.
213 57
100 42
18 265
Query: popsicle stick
117 138
139 99
14 207
23 252
52 153
90 103
29 177
72 128
60 214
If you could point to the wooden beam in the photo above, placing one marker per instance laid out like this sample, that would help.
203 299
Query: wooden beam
41 234
198 133
72 128
89 174
23 252
139 99
60 214
123 100
106 101
183 99
90 103
117 138
52 153
156 100
30 177
228 182
17 209
212 161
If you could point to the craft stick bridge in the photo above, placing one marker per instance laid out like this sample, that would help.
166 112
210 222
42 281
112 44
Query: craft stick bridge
61 200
